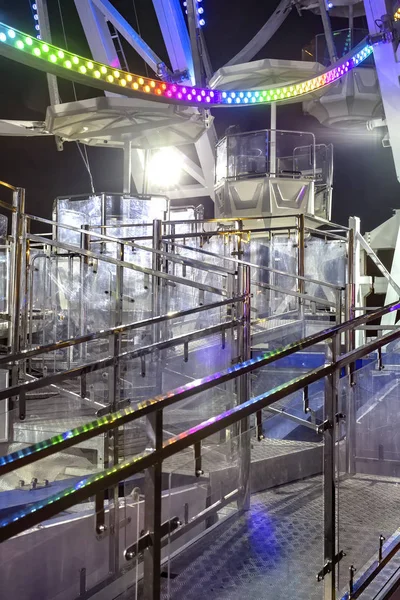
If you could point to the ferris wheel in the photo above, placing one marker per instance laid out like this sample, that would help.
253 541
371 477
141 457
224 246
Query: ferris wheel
175 107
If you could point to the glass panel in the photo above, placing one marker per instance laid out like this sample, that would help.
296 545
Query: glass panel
75 552
275 549
209 500
369 462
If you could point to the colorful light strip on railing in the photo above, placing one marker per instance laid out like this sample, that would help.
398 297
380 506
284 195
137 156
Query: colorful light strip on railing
49 57
124 466
117 419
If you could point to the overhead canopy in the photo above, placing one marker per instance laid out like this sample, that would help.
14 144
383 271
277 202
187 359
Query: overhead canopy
117 120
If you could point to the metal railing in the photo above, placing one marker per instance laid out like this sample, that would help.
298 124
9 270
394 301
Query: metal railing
238 319
152 458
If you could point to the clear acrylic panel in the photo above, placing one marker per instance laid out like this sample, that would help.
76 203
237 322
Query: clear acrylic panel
77 552
368 462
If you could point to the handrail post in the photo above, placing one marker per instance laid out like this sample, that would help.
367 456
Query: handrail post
301 268
16 268
156 290
154 430
243 390
244 395
350 338
152 511
84 244
113 399
17 230
329 470
26 292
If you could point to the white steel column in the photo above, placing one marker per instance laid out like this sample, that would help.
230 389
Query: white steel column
354 224
392 294
52 84
175 34
272 145
387 63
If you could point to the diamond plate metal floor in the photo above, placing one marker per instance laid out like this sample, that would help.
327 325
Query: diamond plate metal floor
275 550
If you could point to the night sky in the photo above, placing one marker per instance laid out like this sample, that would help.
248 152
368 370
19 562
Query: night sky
365 181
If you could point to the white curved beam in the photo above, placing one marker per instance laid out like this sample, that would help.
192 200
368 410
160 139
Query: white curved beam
264 35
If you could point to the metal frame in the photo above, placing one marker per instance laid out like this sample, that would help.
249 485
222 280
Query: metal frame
236 297
93 485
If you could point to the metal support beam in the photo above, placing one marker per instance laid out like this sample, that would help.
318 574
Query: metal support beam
391 291
132 37
152 512
387 62
331 403
379 264
354 296
16 267
52 84
272 146
127 173
194 42
326 22
264 35
205 147
97 33
176 36
190 167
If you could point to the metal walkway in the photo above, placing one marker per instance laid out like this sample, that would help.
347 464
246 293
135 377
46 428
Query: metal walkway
275 551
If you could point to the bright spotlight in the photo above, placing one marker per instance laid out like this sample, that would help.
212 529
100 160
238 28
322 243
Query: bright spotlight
164 170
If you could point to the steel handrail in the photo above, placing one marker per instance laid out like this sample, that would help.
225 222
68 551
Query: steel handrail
111 361
106 333
260 267
128 265
70 438
8 185
37 512
102 238
87 487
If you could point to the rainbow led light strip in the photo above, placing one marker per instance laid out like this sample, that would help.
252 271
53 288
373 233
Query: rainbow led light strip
28 50
124 467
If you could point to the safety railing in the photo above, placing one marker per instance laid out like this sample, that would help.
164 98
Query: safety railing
115 411
160 450
275 152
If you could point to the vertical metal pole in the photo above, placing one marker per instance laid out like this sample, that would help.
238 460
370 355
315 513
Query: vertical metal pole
154 429
15 289
83 300
16 275
351 24
156 281
127 172
244 352
351 299
272 148
244 393
103 217
25 299
328 31
147 158
301 268
52 84
331 410
195 42
115 439
152 511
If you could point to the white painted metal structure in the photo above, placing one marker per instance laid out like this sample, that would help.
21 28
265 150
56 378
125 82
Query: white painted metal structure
155 127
